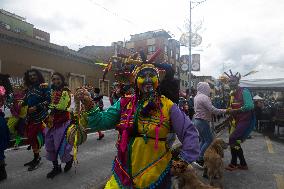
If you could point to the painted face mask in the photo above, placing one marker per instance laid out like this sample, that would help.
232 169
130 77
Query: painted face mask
147 80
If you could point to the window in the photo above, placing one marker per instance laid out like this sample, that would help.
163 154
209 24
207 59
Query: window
151 49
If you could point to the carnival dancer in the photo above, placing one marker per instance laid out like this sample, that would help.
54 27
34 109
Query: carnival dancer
98 99
203 111
58 122
4 135
16 122
143 121
242 121
37 99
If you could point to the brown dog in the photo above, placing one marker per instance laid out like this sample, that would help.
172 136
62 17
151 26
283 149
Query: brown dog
213 163
187 177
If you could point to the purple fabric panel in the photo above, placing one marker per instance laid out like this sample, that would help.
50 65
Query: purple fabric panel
186 133
239 132
53 143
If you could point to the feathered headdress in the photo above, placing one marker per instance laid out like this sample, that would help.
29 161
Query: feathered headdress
126 67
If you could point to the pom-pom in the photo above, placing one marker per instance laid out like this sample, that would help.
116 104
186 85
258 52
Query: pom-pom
2 91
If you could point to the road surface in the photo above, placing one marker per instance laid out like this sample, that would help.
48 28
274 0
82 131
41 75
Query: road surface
264 157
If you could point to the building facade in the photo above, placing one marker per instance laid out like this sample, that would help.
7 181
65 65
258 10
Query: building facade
18 24
151 41
19 53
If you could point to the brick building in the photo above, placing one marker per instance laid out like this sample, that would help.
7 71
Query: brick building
21 52
151 41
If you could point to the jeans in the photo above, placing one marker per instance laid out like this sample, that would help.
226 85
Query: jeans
205 135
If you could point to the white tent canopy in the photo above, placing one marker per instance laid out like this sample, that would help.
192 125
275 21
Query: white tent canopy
256 97
263 83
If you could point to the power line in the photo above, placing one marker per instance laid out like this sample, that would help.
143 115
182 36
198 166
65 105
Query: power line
113 13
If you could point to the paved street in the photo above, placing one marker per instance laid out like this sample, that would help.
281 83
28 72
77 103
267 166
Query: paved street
264 157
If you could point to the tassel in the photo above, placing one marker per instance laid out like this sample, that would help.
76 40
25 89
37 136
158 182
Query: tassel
158 127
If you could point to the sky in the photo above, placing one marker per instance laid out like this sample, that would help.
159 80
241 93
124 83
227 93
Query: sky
242 35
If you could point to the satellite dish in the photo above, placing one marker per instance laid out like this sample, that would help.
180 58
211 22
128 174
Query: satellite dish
196 39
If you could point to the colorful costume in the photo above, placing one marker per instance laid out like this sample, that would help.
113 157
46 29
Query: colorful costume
241 124
16 122
144 158
38 96
58 123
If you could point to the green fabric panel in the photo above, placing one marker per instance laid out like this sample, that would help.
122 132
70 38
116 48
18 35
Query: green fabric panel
248 102
63 102
103 120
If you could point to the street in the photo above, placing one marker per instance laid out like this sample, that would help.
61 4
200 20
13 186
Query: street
264 158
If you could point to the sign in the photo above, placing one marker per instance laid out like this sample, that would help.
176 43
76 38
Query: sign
195 62
184 67
196 39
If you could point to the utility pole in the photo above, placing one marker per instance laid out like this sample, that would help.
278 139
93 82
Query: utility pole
190 40
189 49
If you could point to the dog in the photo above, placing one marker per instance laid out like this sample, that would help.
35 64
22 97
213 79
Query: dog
186 177
213 163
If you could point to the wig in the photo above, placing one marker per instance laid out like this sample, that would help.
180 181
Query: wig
27 81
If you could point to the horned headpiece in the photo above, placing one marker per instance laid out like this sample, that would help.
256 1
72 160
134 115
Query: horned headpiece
234 77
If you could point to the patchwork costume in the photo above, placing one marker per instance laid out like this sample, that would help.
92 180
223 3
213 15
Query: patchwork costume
39 96
144 159
241 124
242 121
16 122
58 122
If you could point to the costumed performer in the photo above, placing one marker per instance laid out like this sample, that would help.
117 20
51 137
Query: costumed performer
242 121
143 122
37 100
58 122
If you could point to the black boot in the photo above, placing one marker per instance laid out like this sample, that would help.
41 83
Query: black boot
68 165
55 171
234 156
233 165
3 174
34 164
243 163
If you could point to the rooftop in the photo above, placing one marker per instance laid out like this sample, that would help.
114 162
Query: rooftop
150 34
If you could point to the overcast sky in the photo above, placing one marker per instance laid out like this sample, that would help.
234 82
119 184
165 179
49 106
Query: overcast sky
242 35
